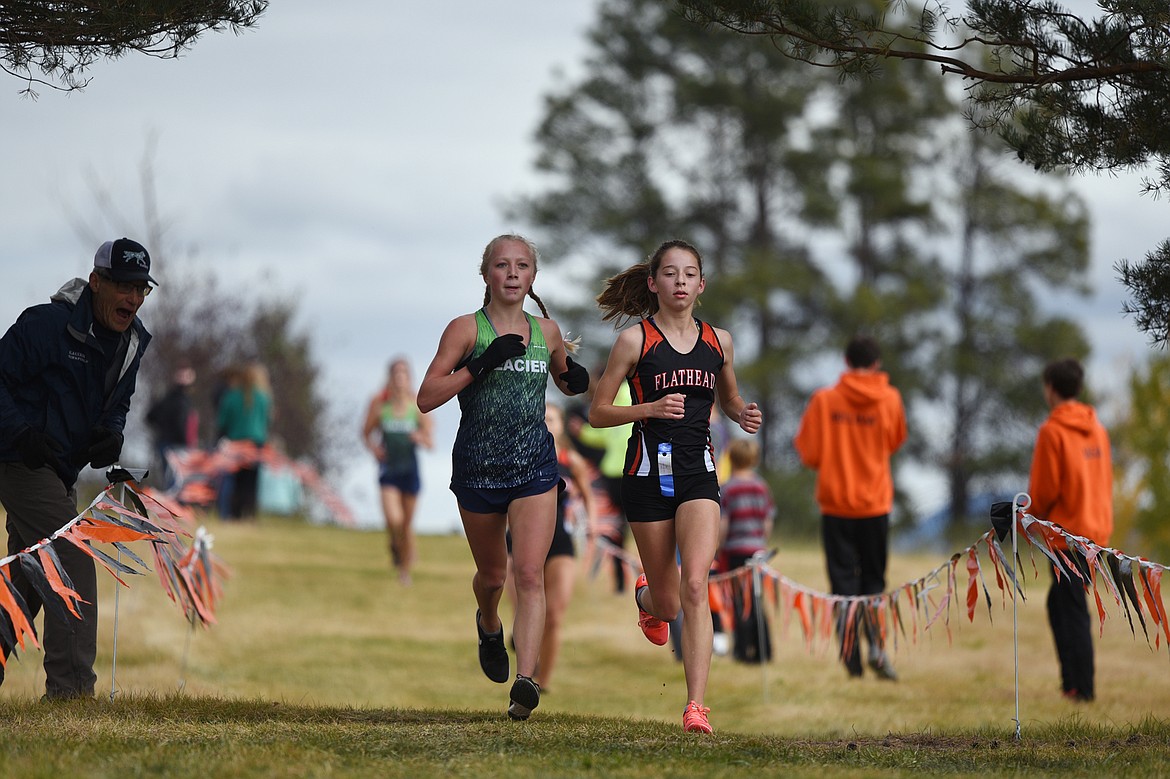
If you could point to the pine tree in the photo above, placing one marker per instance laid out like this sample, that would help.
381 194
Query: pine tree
1066 92
61 40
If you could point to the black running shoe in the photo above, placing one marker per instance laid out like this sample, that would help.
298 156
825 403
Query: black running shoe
525 697
493 655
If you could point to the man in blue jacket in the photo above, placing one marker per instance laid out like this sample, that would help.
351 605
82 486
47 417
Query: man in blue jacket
67 371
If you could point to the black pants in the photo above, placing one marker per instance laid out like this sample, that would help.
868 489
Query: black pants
244 493
1068 616
855 555
752 637
38 505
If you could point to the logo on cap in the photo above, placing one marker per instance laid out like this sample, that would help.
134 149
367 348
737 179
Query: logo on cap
138 258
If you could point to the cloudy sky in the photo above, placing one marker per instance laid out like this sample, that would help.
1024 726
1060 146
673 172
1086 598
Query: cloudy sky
355 157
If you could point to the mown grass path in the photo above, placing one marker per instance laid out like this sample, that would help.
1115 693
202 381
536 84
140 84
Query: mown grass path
322 665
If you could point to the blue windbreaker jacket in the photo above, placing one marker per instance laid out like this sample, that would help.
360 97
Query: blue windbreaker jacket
51 377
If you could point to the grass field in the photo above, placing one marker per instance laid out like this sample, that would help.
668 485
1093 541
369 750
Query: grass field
322 665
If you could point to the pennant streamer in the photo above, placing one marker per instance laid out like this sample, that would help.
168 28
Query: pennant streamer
1134 583
197 471
190 576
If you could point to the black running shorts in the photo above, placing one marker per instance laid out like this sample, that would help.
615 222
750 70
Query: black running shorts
643 501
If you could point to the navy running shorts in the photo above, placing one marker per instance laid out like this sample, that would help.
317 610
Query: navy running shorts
495 500
407 482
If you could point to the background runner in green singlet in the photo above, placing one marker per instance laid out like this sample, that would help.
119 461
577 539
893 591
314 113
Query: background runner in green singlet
393 430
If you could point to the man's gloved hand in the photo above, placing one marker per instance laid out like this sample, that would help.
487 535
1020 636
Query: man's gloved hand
576 378
105 447
497 352
35 448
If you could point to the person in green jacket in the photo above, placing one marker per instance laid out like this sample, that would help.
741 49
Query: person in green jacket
245 412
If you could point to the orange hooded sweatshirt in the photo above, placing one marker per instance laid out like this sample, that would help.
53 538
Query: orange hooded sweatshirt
1071 482
847 434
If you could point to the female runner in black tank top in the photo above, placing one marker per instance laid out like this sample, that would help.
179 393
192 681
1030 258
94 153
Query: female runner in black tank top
677 366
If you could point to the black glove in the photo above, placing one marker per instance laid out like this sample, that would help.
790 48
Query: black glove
503 348
575 377
105 447
35 449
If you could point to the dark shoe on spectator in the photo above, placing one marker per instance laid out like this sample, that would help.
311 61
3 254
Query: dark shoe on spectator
880 664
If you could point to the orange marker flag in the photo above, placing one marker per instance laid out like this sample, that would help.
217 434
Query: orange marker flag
16 614
972 583
108 534
53 574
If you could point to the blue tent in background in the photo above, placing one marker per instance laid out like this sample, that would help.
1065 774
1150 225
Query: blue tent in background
279 491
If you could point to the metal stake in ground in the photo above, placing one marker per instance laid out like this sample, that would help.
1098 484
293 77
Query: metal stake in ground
119 475
1021 502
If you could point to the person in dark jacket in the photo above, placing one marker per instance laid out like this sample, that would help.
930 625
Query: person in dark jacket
174 424
67 371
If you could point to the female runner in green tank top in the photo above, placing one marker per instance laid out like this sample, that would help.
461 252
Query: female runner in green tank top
392 431
504 470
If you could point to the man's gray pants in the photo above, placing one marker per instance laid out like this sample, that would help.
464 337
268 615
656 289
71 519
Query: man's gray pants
38 505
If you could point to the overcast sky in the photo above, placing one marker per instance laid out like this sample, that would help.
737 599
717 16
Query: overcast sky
355 154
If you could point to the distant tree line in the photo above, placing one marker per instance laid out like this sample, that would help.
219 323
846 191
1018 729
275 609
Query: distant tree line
213 323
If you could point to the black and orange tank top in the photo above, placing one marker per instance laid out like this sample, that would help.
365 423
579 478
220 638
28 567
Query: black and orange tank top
674 446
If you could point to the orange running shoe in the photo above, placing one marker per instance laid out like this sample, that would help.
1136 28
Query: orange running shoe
657 631
695 719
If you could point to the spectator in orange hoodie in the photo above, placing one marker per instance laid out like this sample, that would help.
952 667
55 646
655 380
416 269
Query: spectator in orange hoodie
847 434
1071 484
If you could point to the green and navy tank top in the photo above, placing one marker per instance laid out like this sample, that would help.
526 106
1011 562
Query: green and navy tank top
401 456
674 446
502 440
